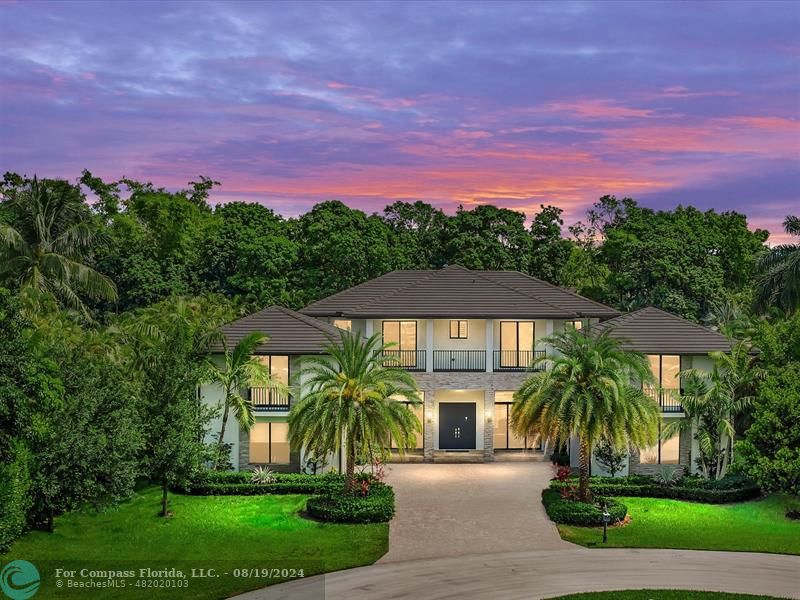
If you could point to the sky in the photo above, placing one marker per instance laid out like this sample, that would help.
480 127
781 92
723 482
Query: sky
516 104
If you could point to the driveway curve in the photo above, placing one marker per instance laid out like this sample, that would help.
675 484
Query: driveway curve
544 574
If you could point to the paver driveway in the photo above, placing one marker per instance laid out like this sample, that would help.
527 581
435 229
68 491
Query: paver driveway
460 509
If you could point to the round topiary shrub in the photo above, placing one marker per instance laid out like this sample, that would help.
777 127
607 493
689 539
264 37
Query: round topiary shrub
377 506
572 512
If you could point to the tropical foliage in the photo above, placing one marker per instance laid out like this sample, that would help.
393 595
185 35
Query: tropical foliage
352 404
587 394
778 284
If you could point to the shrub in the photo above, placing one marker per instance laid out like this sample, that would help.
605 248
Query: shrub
572 512
262 475
14 498
733 488
793 508
667 475
377 506
560 458
240 483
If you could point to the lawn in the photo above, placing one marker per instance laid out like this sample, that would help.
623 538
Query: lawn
223 533
755 526
661 595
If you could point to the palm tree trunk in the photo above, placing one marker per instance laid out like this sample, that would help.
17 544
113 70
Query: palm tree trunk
221 441
583 481
350 476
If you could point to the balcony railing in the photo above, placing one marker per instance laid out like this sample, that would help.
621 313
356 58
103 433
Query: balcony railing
410 360
459 360
518 360
267 400
669 400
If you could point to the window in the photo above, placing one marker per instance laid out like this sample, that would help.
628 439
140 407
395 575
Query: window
666 370
665 452
516 343
345 324
269 443
458 330
576 324
279 371
403 336
504 436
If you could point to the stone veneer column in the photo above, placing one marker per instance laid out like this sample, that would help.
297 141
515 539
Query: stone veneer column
429 417
488 425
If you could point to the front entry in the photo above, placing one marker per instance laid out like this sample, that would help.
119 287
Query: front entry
457 426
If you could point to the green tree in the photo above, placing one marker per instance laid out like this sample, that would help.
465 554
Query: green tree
418 235
549 251
488 237
770 452
713 401
339 247
588 393
170 341
247 254
611 458
239 372
46 242
779 280
351 403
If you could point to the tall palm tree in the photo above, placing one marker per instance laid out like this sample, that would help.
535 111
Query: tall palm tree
779 281
241 371
45 242
352 402
589 393
713 402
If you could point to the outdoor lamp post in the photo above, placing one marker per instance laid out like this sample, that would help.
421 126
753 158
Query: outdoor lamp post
606 519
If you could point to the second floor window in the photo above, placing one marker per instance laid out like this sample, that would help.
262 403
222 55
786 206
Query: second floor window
458 329
345 324
279 371
576 324
403 334
516 343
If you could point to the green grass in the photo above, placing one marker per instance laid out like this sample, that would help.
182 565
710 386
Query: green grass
661 595
756 526
206 532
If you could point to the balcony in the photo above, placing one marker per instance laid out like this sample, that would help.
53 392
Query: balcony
518 360
669 400
266 400
410 360
464 361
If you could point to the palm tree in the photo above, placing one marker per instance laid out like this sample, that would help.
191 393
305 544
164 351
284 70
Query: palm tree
241 371
352 402
712 404
588 393
46 240
779 282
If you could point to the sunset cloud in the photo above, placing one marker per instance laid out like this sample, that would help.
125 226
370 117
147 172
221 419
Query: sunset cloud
517 104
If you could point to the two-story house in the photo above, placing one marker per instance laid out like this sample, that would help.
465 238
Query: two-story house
468 338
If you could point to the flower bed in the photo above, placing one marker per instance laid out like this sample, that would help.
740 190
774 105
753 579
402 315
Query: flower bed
375 506
733 488
572 512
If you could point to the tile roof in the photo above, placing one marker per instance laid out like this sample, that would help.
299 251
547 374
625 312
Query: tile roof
654 331
289 332
458 292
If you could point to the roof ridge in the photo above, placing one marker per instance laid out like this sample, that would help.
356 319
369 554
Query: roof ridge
559 288
428 274
674 316
326 328
363 283
521 293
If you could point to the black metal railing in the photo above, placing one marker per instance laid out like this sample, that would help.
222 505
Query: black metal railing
518 360
410 360
267 400
459 360
669 400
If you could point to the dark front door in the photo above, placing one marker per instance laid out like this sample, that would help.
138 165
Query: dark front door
457 426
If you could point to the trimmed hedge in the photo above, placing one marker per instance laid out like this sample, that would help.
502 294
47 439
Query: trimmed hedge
572 512
239 483
376 507
692 488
